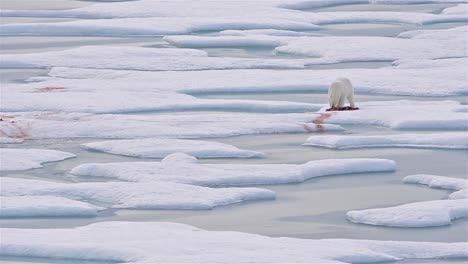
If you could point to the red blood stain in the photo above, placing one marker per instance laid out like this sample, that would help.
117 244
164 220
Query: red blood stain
318 121
48 89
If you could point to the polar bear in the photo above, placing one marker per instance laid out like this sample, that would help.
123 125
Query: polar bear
340 90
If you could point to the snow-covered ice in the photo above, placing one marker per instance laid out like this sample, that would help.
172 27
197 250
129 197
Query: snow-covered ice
397 115
435 181
26 159
458 140
135 242
71 125
182 168
419 214
44 206
140 58
149 17
160 148
405 115
408 77
148 195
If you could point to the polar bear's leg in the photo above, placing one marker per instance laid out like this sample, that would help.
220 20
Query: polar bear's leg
351 100
334 93
341 101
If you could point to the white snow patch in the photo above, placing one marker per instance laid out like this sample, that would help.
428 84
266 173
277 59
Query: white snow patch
229 174
8 140
420 214
178 243
139 58
433 140
459 10
26 159
408 77
127 195
435 181
404 115
44 206
160 148
72 125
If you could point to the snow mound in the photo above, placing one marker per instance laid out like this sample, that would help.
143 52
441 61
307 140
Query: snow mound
459 10
160 148
135 242
180 171
125 195
435 181
433 140
420 214
44 206
26 159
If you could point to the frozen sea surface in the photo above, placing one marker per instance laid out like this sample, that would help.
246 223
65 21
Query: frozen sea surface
296 211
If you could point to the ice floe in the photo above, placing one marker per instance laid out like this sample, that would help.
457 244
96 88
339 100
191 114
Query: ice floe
175 168
135 242
149 17
404 115
25 159
408 77
71 125
420 214
140 58
435 181
432 140
459 10
148 195
160 148
421 44
44 206
398 115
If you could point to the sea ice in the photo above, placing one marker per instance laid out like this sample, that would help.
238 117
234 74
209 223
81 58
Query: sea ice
44 206
26 159
408 77
457 140
128 195
435 181
160 148
420 214
165 18
140 58
71 125
130 242
175 168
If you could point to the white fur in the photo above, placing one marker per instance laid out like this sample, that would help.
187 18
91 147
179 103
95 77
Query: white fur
340 90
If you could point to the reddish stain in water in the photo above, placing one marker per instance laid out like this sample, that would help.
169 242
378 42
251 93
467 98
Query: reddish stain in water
48 89
318 121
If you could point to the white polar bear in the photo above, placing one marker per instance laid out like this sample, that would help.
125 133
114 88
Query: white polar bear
339 90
